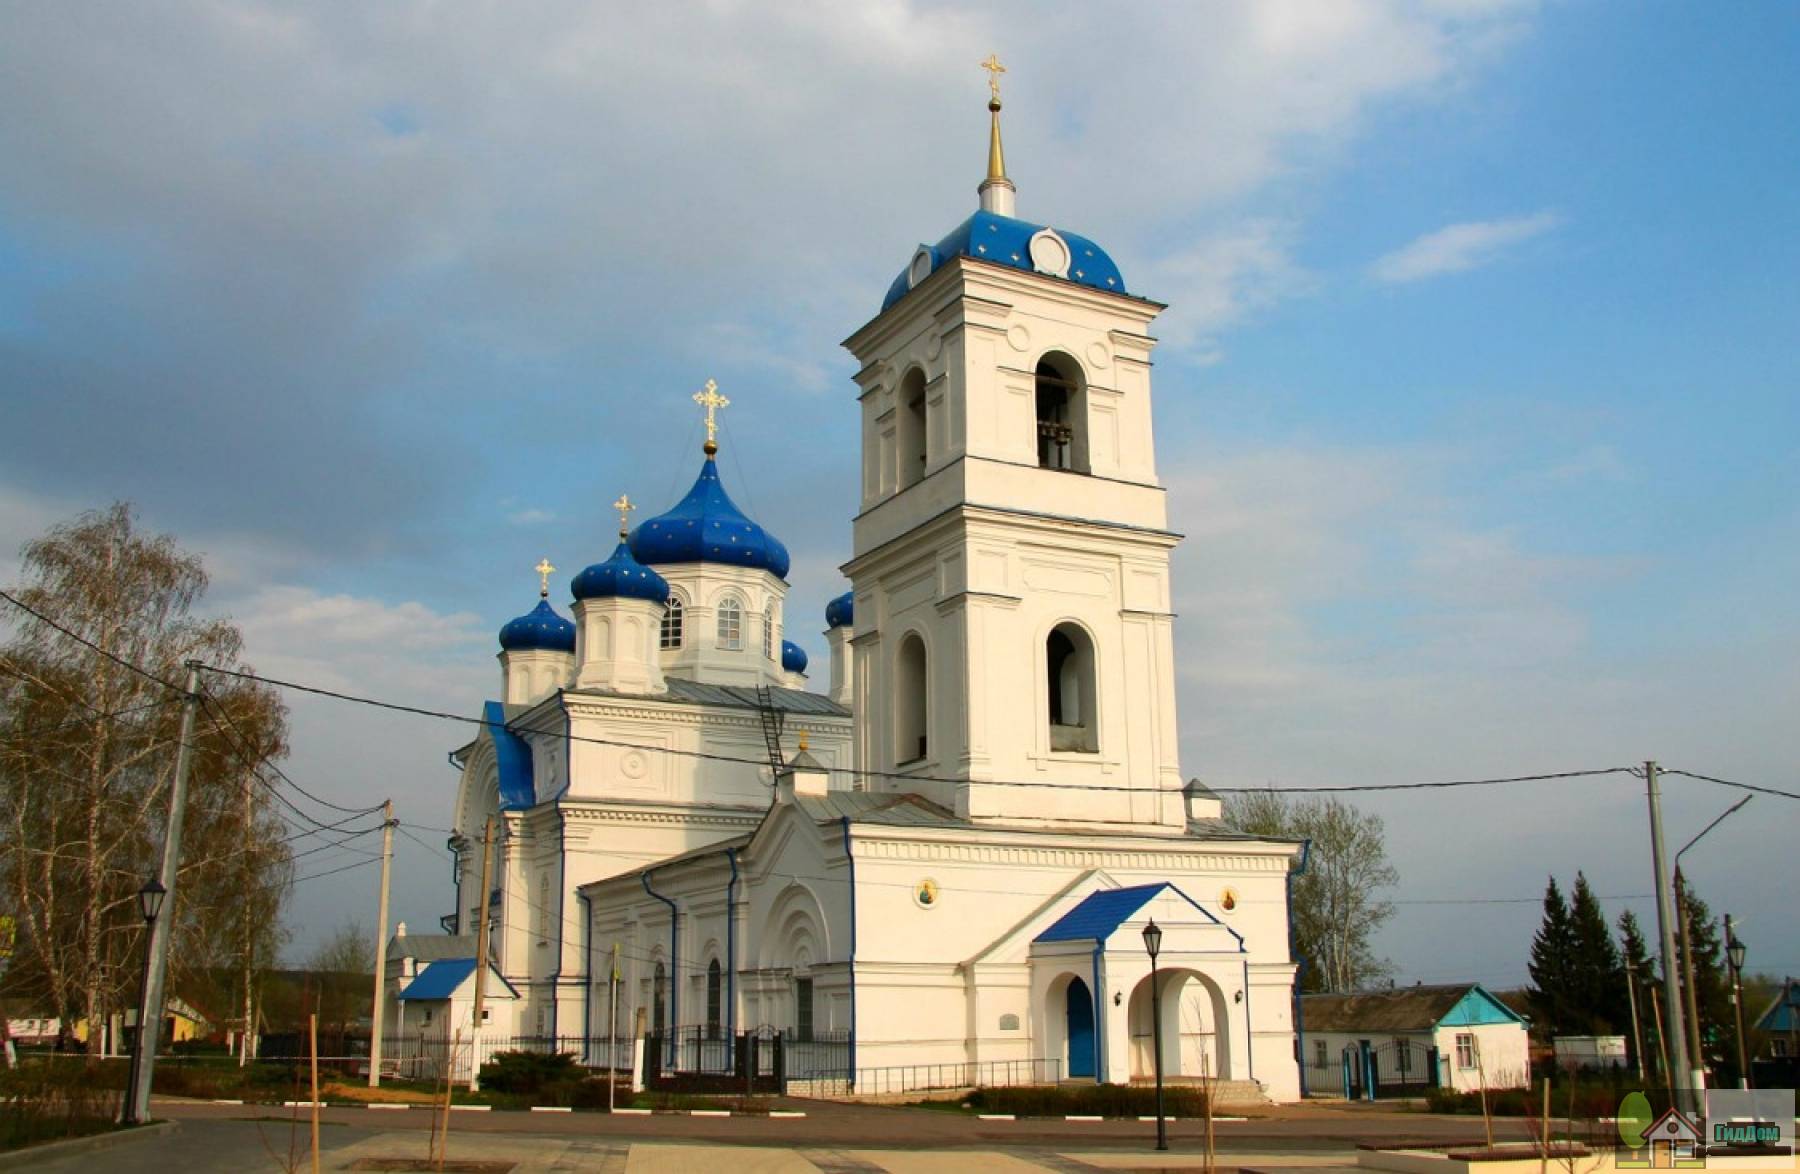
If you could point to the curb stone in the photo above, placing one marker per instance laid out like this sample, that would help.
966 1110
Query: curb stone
32 1154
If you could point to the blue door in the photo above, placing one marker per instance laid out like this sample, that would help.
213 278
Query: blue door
1081 1030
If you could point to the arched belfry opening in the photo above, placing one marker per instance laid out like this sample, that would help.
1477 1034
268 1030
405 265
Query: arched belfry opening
911 700
912 436
1061 415
1071 694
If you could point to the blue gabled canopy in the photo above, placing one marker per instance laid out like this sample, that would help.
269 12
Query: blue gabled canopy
512 754
443 978
1099 914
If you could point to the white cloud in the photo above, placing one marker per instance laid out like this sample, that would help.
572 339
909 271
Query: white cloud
1220 279
1458 247
530 517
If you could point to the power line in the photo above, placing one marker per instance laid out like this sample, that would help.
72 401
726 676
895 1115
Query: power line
855 772
85 642
1728 783
234 733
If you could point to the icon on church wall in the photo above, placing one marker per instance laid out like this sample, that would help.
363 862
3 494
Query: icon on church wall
926 895
1228 900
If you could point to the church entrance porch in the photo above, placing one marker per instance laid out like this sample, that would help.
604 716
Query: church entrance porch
1193 1047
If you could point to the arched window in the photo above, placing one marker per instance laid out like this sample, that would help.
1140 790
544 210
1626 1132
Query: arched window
769 633
671 623
912 437
659 1000
1069 657
1061 415
731 624
713 993
911 696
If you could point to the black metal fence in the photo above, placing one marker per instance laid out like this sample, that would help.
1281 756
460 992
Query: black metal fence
1366 1070
763 1057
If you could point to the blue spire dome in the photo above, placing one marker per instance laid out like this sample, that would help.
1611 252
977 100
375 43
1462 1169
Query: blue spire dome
1017 244
793 657
706 526
539 629
621 576
841 612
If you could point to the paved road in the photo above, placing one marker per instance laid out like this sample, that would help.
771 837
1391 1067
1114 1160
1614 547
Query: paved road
831 1139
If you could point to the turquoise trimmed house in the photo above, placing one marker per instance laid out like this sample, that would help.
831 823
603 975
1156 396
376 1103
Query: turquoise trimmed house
1400 1041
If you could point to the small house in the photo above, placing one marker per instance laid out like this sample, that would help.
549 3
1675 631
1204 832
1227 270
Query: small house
1405 1039
1673 1140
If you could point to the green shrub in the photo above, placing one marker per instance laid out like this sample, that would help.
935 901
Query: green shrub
1099 1100
528 1072
54 1097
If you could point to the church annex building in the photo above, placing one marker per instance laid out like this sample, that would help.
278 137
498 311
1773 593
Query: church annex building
948 855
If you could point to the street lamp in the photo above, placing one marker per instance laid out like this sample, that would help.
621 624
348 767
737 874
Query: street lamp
1734 957
1153 946
150 903
1696 1058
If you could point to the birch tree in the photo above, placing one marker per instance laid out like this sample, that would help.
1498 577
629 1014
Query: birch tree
1338 902
87 752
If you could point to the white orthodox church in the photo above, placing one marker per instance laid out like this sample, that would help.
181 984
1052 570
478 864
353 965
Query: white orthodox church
949 855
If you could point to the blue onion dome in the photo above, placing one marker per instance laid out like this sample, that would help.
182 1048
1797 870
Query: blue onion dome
539 629
1017 244
841 612
621 576
706 526
793 657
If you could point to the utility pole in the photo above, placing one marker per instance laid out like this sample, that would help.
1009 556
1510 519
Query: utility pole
156 971
1637 1035
1684 921
381 933
246 815
481 948
1675 1039
612 1029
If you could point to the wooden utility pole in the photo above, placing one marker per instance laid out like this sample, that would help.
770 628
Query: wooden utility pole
1690 1001
381 933
312 1031
481 948
1637 1035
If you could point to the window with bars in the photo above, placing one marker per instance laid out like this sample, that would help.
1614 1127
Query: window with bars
713 998
803 1009
731 624
768 635
671 623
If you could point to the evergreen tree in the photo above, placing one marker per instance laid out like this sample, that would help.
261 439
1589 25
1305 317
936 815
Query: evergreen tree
1712 989
1639 968
1596 974
1552 952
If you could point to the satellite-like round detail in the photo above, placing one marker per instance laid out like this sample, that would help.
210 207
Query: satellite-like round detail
920 268
1049 253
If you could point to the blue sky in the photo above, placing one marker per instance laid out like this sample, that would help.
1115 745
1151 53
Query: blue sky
1476 399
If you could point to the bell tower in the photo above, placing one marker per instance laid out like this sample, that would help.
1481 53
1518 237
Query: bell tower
1011 566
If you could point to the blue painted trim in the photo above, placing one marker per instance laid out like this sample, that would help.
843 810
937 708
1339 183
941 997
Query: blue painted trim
561 877
850 860
674 952
1299 1003
1100 1024
587 966
1249 1040
731 944
512 760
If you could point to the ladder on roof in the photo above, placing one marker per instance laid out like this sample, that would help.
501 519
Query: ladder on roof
772 720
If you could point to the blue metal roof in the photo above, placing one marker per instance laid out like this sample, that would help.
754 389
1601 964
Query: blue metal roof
440 979
1099 914
539 628
512 754
1005 240
706 526
619 576
841 612
793 657
1783 1014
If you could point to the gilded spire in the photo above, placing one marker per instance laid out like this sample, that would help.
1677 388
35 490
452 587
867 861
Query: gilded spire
996 190
624 505
544 570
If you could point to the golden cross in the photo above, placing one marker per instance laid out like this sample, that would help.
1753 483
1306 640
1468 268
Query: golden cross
709 398
624 505
544 570
995 69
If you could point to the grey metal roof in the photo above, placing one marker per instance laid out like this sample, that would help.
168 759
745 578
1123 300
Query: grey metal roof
731 697
429 947
893 810
1197 788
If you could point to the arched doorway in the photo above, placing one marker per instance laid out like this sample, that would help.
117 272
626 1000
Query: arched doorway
1078 1004
1196 1031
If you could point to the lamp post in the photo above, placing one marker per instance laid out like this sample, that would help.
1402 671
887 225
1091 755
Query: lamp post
150 903
1694 1044
1734 957
1153 946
